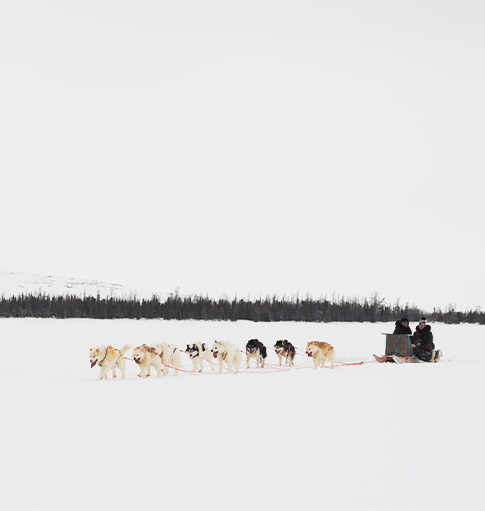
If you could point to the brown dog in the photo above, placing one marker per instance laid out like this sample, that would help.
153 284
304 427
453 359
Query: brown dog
108 358
320 351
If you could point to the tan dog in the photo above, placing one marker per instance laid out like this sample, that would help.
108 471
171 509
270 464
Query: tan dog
108 358
320 351
146 356
169 355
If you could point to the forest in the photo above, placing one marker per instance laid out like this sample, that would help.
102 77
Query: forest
295 308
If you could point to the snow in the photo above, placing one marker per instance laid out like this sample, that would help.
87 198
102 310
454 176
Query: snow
371 436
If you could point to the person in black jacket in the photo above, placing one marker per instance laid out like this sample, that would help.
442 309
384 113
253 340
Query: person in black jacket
423 341
402 327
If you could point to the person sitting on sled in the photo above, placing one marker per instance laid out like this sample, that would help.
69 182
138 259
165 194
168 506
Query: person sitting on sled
402 327
423 343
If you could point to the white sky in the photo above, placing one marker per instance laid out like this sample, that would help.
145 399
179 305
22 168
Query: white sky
247 147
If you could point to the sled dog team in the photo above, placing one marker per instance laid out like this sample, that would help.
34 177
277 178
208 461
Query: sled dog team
162 355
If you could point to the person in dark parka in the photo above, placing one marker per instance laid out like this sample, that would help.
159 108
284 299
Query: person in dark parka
423 341
402 327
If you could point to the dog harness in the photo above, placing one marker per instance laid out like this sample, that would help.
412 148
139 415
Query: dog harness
105 355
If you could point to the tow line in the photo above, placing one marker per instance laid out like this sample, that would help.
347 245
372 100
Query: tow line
273 368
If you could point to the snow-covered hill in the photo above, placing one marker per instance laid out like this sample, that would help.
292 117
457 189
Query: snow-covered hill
16 283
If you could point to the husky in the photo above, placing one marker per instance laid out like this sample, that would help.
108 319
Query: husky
320 351
198 352
287 350
107 358
225 351
255 349
169 356
146 357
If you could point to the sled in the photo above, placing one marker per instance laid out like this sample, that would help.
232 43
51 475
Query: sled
384 358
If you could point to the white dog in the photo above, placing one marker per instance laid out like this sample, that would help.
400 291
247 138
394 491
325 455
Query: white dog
169 355
227 352
147 356
108 358
198 352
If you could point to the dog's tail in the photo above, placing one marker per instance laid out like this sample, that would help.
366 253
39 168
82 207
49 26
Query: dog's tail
125 348
158 348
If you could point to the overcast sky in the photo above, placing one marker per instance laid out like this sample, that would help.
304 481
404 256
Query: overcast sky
247 147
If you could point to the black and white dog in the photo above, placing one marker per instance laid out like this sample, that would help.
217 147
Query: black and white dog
255 349
197 352
285 349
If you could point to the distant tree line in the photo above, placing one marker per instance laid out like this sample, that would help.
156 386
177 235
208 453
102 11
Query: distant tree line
204 308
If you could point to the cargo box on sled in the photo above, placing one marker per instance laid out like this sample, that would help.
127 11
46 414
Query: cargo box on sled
396 344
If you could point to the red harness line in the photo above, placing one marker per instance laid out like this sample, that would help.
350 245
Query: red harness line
341 364
176 368
198 373
194 372
183 370
274 368
246 371
210 362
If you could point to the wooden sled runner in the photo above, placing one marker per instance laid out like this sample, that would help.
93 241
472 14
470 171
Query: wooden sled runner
408 360
384 358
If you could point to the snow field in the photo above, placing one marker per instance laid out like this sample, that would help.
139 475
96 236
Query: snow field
373 436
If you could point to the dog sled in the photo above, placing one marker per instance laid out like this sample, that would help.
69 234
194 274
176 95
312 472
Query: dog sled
399 349
398 346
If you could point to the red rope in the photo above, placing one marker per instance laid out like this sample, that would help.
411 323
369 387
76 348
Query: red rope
340 364
273 367
183 370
